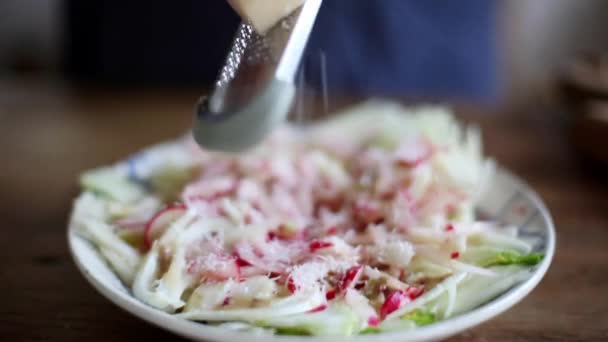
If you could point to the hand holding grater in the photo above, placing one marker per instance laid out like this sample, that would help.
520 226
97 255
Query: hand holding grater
255 88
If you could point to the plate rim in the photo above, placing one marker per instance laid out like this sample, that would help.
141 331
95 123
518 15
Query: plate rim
449 327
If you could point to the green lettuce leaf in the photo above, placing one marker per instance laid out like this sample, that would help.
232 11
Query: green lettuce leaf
293 331
421 317
370 330
512 258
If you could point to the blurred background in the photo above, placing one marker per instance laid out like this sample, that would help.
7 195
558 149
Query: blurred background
141 65
474 49
86 83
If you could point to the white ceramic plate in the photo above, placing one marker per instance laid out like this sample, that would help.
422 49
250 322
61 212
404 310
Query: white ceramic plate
507 200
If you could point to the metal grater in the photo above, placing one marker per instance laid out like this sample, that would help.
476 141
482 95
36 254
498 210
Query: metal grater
255 88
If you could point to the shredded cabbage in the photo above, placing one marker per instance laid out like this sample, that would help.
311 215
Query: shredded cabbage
364 224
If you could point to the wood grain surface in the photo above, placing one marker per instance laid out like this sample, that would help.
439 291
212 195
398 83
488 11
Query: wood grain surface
49 133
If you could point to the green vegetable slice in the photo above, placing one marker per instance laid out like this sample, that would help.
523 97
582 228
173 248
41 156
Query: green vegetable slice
421 317
512 258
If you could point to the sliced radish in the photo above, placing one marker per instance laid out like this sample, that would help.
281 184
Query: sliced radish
207 189
157 225
319 308
414 292
373 321
240 261
271 236
291 286
316 245
351 275
333 230
393 302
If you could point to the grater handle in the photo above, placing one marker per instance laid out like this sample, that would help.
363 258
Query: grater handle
256 86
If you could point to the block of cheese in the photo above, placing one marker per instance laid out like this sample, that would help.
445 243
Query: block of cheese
264 14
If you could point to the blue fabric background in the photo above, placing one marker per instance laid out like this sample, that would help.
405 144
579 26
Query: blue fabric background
428 48
416 48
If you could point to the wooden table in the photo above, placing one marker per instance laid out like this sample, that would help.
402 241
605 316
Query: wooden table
49 133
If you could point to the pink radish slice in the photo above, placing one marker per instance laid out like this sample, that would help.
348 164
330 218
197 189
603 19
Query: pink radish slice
161 221
349 277
291 286
316 245
392 303
373 321
319 308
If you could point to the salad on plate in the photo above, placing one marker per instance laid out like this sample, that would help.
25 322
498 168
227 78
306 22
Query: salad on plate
362 224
